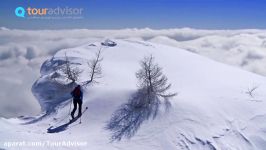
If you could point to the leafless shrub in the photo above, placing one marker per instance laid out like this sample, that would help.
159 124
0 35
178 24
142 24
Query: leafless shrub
250 91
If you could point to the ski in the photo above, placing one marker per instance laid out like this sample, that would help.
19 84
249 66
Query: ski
63 127
77 117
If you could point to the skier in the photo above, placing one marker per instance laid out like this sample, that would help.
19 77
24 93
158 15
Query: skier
77 95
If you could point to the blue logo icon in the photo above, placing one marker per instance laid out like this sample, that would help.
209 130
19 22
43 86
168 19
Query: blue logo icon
20 12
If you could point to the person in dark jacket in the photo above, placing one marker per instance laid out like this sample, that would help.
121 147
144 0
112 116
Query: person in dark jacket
77 95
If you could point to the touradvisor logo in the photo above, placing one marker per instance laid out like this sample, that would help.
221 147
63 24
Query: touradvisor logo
42 12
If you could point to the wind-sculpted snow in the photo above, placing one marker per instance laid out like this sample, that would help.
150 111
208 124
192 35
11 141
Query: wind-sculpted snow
53 88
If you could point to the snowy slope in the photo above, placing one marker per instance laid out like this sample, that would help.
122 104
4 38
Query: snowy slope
211 111
23 51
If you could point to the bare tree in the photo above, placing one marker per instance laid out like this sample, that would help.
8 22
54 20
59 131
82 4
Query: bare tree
95 69
70 72
152 80
143 104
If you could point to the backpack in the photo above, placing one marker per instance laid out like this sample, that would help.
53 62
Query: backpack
76 93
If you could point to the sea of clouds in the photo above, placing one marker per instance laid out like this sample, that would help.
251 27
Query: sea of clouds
23 51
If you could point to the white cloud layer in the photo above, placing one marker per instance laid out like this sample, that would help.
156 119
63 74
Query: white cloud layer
23 51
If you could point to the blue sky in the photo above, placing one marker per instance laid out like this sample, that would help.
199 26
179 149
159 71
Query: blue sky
157 14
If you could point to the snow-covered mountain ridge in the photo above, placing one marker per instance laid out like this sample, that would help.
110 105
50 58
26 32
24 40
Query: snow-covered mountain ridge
212 110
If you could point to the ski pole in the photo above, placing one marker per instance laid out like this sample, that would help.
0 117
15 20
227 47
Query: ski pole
81 115
70 107
80 119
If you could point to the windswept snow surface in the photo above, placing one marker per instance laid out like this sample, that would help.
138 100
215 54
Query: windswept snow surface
212 110
23 51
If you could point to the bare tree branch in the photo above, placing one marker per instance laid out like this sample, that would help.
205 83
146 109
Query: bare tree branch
95 69
250 91
70 72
